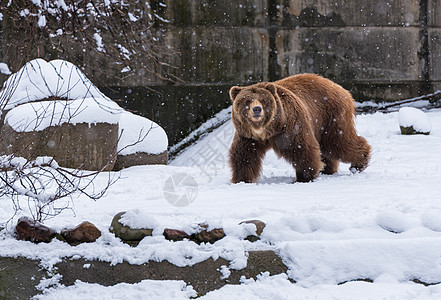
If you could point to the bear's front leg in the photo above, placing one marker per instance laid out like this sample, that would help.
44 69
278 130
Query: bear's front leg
307 163
303 152
306 173
246 159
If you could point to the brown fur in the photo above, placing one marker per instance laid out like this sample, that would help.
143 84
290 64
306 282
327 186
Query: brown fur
307 119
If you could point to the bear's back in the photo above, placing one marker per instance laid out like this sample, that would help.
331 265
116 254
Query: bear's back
328 103
316 90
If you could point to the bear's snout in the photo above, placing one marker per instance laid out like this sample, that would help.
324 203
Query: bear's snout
257 110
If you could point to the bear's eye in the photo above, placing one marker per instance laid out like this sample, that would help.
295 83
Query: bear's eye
248 102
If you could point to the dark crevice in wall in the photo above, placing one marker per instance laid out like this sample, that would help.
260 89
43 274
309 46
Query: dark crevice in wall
271 24
273 65
424 52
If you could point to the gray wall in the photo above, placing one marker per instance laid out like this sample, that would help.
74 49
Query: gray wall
383 50
379 50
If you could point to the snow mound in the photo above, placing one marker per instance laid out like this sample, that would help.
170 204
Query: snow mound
39 79
393 221
432 220
413 117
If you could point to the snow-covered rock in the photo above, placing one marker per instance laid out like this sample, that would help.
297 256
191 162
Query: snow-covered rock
413 121
125 232
153 138
141 142
47 97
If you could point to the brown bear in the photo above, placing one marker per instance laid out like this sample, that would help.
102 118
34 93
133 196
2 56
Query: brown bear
307 119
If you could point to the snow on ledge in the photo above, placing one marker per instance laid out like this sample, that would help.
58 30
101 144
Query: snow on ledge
37 116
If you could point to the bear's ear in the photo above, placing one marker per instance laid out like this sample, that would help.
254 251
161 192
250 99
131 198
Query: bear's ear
272 88
234 91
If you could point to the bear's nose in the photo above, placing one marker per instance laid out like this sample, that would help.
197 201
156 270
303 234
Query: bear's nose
257 109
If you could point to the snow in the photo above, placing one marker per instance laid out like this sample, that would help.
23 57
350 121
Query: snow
279 287
39 79
139 134
225 271
37 116
46 160
17 162
416 118
393 221
125 70
431 220
99 42
41 21
146 289
132 17
382 224
341 260
138 219
4 69
74 100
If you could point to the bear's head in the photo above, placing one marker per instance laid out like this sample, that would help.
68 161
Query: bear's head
254 109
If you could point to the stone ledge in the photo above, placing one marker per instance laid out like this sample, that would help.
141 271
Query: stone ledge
19 276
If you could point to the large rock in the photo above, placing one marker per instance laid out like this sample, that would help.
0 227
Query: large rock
140 158
175 234
86 232
205 236
30 230
126 233
203 276
83 146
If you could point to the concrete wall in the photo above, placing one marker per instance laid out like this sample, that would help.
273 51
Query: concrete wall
356 43
379 50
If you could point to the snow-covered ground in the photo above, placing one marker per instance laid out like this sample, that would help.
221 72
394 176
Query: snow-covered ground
383 224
